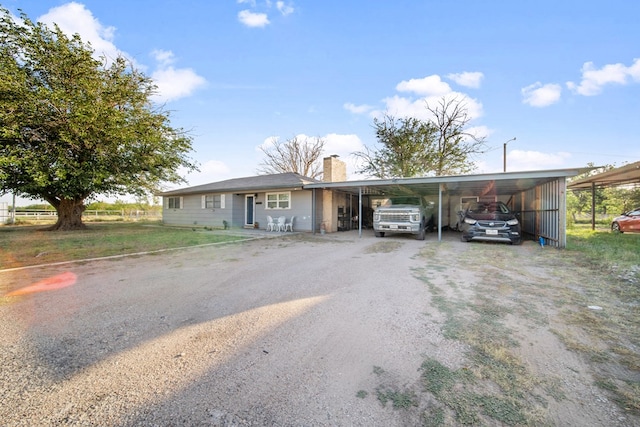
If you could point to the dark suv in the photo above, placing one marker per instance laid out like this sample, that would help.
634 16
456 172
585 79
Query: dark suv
491 221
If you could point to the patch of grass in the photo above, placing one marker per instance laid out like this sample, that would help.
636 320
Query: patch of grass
455 390
361 394
383 247
604 247
398 399
24 246
433 418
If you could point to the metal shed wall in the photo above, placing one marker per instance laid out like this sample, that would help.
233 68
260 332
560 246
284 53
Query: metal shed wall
543 212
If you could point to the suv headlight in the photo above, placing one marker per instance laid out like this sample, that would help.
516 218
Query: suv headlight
470 221
512 222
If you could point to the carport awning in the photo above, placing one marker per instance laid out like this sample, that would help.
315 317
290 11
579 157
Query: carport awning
496 183
628 174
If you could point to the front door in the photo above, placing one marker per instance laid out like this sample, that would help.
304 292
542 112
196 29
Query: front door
250 207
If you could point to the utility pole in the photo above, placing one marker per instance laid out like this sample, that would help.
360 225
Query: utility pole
504 153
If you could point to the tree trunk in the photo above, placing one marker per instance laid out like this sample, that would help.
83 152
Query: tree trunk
69 215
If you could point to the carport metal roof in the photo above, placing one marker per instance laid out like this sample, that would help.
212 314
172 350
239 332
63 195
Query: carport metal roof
628 174
505 183
495 183
624 175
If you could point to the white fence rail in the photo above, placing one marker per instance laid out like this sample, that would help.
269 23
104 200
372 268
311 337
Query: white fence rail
51 215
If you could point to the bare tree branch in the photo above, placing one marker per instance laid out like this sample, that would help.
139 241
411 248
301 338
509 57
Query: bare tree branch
298 155
455 145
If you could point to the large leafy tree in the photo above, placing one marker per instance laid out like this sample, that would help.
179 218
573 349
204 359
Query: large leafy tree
410 147
298 154
72 126
406 148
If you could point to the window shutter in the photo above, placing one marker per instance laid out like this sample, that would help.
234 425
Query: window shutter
222 201
203 202
181 202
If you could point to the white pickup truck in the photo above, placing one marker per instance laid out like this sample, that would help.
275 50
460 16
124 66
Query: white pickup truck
404 214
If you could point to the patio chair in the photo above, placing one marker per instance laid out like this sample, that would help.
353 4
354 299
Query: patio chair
289 225
271 226
281 223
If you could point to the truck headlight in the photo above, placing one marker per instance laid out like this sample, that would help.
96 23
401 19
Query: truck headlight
470 221
512 222
376 216
415 217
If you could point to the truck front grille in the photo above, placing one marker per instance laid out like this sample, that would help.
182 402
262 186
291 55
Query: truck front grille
395 217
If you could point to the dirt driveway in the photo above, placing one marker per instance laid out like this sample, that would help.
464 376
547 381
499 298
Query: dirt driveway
332 330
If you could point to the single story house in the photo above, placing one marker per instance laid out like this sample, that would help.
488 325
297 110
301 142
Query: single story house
335 204
246 202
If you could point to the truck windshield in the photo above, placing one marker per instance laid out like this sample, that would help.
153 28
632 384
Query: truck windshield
404 201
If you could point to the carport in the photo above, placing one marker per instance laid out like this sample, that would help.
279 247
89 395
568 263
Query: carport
538 197
624 175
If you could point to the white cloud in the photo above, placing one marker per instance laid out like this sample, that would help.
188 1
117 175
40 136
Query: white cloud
285 9
594 79
344 146
252 19
467 79
163 57
429 86
523 160
539 95
357 109
398 106
173 83
176 83
75 18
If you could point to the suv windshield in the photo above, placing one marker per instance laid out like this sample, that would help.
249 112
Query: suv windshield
488 207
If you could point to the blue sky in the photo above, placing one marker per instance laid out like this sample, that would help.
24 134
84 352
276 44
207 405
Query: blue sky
563 77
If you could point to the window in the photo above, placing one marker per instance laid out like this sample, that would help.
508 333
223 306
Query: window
278 200
213 201
174 203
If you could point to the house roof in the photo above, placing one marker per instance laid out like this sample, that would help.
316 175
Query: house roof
628 174
493 183
248 184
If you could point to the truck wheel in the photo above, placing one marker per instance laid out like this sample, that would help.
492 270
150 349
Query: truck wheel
421 234
379 233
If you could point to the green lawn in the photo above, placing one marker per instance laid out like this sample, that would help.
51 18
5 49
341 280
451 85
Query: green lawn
605 248
30 245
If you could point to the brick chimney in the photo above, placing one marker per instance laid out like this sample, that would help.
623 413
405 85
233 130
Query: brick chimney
334 170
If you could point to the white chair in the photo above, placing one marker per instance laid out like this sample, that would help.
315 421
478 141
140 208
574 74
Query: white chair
289 225
271 226
281 223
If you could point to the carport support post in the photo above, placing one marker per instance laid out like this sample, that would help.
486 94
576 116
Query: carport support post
440 212
313 210
562 213
359 211
593 206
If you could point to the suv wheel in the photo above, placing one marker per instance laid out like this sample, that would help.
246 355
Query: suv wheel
379 233
421 234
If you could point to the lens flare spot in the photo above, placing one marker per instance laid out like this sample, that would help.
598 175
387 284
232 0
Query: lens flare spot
52 283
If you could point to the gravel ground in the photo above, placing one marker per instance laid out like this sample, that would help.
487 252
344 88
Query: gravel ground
287 331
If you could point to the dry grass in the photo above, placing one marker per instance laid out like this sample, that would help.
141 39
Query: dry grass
30 245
